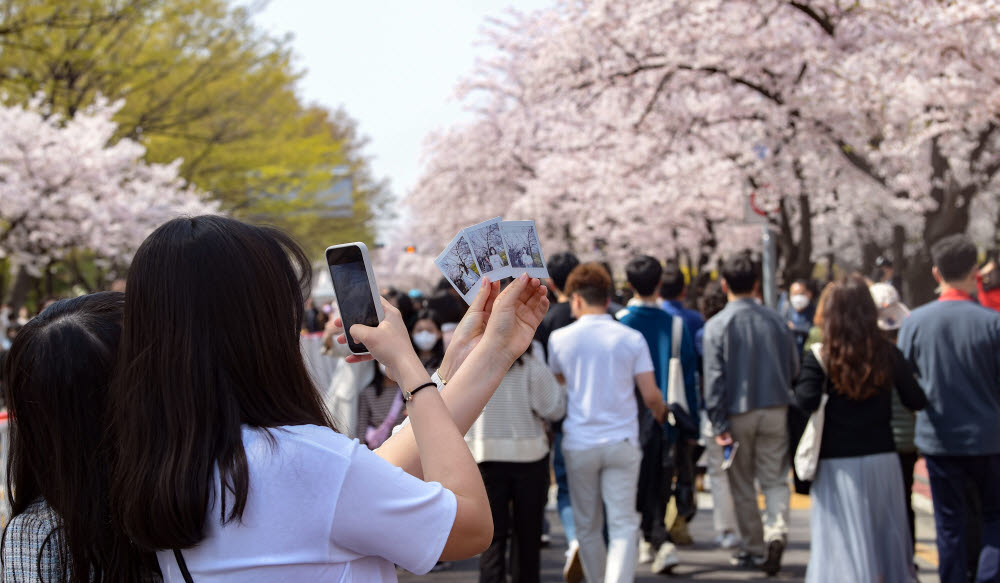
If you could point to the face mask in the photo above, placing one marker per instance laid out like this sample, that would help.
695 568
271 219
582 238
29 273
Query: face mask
799 302
425 340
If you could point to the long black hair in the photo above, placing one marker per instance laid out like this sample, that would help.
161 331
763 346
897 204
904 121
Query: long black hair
437 351
210 342
57 374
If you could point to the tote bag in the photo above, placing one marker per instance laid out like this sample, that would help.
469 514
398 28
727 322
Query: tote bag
807 453
677 401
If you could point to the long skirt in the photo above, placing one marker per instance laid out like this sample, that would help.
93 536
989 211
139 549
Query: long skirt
858 522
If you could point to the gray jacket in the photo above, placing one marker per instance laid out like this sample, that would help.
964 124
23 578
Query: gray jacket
750 362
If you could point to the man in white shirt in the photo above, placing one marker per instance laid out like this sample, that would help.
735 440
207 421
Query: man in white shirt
600 361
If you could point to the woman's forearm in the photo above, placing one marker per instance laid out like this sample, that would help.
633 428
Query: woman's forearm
464 396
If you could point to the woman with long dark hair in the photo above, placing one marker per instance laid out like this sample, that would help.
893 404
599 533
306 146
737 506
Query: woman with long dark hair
57 375
858 522
226 461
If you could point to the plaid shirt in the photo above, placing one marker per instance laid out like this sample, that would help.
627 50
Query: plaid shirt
32 547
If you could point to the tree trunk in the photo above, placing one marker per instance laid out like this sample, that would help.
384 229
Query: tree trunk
18 293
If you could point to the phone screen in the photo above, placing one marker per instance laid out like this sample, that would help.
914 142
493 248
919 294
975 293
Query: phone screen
354 295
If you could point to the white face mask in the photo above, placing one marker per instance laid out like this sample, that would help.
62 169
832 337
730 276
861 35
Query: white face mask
425 340
799 302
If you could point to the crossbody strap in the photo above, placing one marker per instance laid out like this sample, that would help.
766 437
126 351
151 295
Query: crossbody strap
676 337
184 568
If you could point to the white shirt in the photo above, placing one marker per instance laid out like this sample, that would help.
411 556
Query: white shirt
600 359
320 507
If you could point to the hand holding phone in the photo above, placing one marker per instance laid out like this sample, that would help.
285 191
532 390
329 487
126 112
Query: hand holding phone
355 289
729 454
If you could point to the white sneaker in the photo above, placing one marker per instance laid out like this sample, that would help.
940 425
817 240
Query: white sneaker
645 552
729 540
665 559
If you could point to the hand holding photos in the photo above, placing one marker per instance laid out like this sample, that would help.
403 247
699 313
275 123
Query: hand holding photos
493 248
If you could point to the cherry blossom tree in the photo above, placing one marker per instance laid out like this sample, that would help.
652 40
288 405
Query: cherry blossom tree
66 188
639 125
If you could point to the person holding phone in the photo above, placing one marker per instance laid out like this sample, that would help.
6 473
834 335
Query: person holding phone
245 477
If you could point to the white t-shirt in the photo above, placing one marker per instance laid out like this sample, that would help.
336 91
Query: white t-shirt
600 359
320 507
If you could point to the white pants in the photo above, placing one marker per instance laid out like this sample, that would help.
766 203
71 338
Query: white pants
606 479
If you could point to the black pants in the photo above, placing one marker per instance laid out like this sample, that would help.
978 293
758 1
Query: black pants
686 454
656 473
517 492
907 461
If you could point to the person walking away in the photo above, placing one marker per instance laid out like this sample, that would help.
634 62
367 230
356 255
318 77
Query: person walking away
953 345
750 363
601 361
727 529
686 449
799 312
559 315
858 525
658 442
509 443
891 313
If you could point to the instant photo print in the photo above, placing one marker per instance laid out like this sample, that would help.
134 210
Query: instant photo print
488 246
458 264
523 248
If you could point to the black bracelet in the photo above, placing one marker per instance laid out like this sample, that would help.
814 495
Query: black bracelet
408 395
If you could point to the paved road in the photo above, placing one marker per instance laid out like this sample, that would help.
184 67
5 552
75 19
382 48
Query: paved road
704 561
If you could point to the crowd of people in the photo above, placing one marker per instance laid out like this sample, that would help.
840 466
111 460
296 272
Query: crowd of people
201 450
628 393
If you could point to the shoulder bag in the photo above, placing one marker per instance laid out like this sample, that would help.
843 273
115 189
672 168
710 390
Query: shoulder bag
807 453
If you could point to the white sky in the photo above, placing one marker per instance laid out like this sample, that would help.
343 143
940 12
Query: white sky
392 64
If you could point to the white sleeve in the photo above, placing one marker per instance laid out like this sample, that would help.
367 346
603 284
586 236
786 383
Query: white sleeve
383 511
554 365
643 361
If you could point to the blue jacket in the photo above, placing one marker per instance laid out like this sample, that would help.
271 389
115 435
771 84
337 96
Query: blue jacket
954 347
657 327
750 361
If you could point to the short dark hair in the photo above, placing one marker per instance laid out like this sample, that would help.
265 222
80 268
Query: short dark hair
740 273
560 265
643 273
591 282
954 256
673 284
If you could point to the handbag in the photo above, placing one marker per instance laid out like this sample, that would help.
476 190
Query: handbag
807 453
677 401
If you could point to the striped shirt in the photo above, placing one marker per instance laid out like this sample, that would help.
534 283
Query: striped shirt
511 427
374 408
32 547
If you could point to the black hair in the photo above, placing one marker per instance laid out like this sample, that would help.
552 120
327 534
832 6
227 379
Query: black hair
643 273
955 257
448 307
210 343
713 299
437 352
57 374
672 285
560 265
741 273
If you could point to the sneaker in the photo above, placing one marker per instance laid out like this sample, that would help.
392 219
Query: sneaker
573 569
645 552
665 560
772 561
729 540
746 560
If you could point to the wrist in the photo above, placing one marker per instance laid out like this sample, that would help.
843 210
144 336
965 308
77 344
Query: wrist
412 373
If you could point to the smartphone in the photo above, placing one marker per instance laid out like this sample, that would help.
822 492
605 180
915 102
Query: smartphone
729 454
355 289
